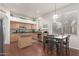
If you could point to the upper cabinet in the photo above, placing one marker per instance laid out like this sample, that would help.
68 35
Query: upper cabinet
29 26
33 26
14 25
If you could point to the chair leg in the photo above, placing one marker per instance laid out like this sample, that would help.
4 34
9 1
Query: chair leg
67 51
48 51
67 47
43 46
57 49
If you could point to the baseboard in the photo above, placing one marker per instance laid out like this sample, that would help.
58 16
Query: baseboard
74 48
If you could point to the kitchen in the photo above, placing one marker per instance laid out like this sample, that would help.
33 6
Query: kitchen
24 27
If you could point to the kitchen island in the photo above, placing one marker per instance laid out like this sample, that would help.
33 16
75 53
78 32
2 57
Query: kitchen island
21 34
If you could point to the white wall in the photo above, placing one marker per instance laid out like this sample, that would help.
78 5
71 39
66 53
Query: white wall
74 40
46 20
73 8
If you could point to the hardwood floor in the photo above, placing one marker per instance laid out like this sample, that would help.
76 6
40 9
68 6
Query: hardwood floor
35 50
74 52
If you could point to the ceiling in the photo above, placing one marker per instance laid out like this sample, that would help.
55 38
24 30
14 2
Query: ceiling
32 10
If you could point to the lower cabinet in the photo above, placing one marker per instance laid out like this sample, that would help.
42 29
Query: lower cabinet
24 41
35 36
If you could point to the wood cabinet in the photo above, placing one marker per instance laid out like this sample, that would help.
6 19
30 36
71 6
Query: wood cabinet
22 25
25 41
28 26
14 36
14 25
22 41
33 26
35 36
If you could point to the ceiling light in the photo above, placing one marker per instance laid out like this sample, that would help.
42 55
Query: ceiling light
55 16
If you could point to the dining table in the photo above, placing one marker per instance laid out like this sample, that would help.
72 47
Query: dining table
59 39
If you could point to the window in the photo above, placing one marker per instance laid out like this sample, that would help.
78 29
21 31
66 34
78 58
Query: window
66 25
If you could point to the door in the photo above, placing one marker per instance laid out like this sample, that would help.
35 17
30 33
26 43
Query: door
1 38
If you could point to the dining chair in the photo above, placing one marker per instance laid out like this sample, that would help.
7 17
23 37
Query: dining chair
45 34
56 45
52 45
66 45
48 45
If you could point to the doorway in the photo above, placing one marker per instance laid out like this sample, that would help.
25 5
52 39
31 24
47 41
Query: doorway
1 37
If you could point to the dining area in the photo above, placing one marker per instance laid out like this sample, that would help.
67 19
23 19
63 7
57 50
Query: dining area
56 44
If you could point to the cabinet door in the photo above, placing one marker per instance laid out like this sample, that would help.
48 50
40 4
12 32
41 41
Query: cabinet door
14 25
33 26
14 37
24 41
35 36
28 26
22 25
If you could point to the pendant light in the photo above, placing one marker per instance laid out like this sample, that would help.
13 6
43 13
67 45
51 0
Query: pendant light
55 16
